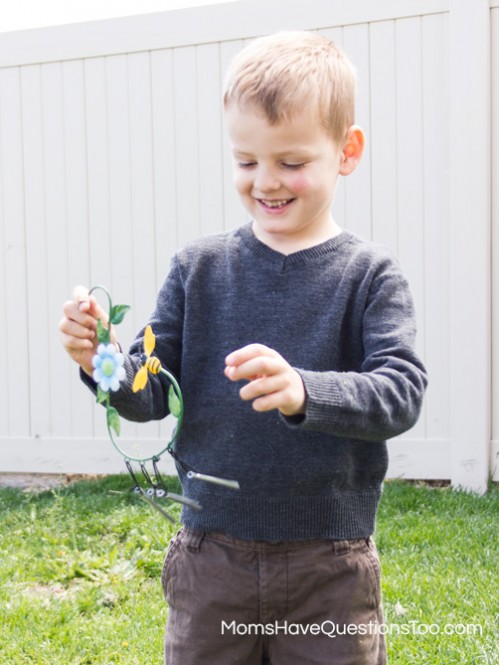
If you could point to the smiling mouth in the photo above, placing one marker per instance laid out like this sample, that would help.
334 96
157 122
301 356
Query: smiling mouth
280 203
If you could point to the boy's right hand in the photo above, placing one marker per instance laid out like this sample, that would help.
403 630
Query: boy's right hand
78 327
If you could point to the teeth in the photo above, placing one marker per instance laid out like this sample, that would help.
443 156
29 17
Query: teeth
274 204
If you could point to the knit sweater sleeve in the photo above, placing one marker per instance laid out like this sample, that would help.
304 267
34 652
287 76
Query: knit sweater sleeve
384 398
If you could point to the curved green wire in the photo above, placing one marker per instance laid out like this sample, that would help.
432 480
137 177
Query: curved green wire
173 384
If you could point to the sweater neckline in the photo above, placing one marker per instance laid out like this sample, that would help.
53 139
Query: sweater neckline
295 259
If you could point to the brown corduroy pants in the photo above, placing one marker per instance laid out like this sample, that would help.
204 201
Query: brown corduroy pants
238 602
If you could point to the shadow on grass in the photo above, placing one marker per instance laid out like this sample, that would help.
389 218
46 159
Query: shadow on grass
103 494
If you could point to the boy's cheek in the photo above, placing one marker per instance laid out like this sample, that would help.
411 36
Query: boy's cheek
298 183
240 182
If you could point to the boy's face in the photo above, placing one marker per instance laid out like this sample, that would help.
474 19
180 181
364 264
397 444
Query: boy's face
286 176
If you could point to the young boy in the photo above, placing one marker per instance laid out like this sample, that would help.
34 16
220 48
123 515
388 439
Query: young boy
318 326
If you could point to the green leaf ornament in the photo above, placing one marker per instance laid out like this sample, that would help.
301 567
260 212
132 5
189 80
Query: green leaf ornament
117 313
102 395
113 420
174 403
103 334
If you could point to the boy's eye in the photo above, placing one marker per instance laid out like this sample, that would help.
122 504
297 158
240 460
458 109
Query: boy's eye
245 165
294 166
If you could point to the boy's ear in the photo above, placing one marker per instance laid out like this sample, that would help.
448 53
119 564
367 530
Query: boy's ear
352 150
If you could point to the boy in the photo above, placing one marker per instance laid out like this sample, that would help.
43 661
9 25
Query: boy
319 325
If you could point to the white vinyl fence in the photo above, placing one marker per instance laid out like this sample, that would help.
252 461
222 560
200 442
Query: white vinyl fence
113 153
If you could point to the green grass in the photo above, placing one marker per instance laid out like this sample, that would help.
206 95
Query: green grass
440 556
80 575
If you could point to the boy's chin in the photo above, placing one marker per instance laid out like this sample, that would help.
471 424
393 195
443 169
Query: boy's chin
280 236
287 237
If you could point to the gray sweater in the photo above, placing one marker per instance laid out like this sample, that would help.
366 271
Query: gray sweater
342 315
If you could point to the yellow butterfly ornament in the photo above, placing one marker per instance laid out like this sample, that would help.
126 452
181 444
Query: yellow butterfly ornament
151 364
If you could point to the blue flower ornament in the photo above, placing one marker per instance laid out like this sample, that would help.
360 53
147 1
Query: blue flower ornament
109 370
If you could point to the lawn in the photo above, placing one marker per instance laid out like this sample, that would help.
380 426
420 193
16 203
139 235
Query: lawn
80 575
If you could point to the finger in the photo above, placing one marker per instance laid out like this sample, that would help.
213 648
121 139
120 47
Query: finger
81 297
73 328
72 312
247 353
262 386
284 391
267 402
88 303
289 402
254 368
72 343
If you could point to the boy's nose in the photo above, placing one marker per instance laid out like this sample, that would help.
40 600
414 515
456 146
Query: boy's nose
266 180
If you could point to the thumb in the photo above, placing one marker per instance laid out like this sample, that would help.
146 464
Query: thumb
95 310
88 303
81 298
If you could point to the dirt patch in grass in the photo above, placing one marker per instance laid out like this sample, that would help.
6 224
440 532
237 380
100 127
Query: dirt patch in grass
40 482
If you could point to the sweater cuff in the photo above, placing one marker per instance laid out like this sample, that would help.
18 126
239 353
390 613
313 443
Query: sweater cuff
88 381
322 399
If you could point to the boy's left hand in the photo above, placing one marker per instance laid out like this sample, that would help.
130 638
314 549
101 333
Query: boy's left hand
273 383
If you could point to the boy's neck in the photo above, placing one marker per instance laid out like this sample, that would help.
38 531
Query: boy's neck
289 244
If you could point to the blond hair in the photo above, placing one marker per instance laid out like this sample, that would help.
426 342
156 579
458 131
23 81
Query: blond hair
284 73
